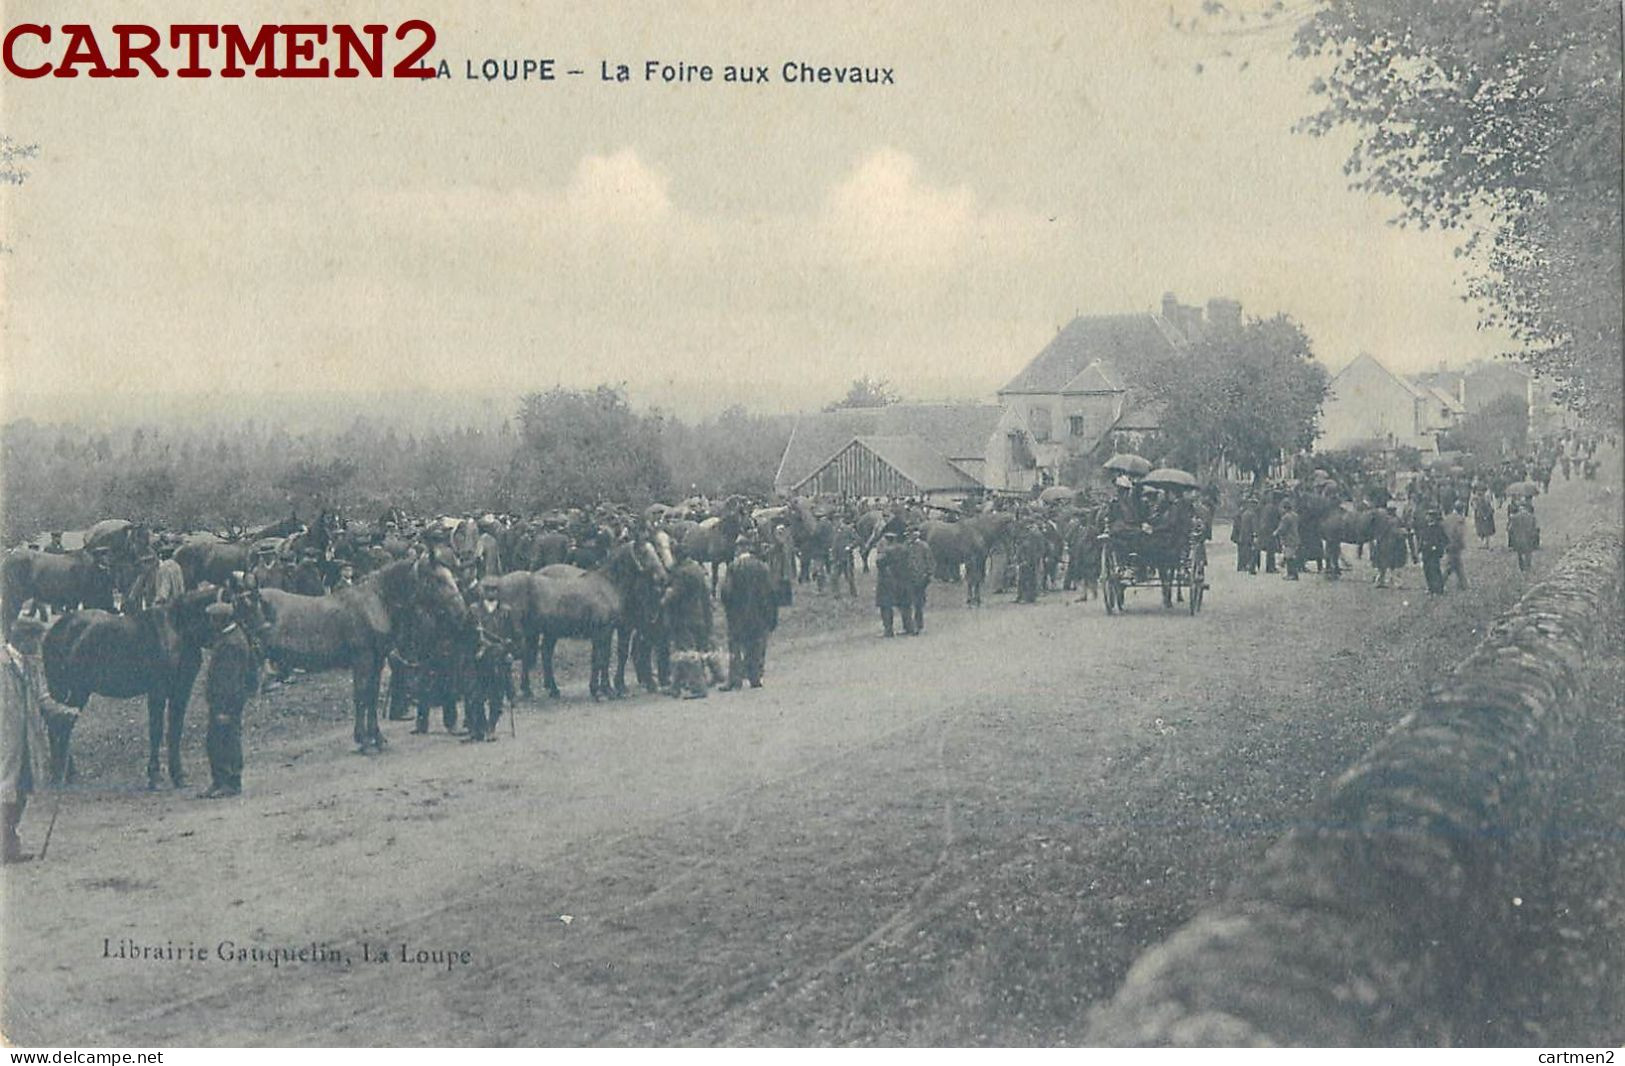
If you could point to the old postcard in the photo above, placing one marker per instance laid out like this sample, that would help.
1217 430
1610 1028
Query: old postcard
844 524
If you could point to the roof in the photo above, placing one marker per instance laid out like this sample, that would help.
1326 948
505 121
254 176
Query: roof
1450 402
1096 377
916 460
1418 392
951 430
1118 342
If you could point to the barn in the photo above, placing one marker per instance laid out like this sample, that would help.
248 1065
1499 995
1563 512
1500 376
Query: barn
887 466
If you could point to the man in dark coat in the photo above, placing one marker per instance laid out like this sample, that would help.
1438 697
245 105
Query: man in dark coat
750 603
495 640
1244 535
1455 542
842 549
1431 545
1083 553
1523 533
686 606
1287 536
232 680
1269 520
1030 549
917 567
890 583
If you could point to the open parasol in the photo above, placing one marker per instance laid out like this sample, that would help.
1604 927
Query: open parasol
1169 477
1127 463
1523 488
1057 494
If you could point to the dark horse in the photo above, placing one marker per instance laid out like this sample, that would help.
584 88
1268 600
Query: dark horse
563 603
1340 527
355 627
214 562
814 535
153 653
67 582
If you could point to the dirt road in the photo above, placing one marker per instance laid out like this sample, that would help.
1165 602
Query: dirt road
960 838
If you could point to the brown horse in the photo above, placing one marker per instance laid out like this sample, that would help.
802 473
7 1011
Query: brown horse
153 653
967 543
66 582
213 561
564 602
355 628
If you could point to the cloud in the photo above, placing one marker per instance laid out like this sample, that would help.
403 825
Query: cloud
617 189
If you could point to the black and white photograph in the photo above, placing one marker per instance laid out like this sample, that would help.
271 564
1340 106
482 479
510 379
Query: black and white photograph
732 523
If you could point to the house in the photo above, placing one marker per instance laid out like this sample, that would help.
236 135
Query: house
1369 405
1081 389
840 451
887 466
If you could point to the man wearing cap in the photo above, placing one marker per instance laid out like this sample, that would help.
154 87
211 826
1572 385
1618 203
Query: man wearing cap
232 679
1244 535
890 588
749 603
497 638
1431 546
916 576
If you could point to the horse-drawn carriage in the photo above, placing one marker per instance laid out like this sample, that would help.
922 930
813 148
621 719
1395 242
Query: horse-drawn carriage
1169 555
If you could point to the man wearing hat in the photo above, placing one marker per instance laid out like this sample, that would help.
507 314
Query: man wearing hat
749 603
1269 520
917 567
496 641
1244 535
686 604
232 680
890 583
1431 546
1288 538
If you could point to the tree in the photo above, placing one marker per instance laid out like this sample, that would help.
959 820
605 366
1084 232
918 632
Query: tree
580 447
1501 120
1242 396
866 392
1499 427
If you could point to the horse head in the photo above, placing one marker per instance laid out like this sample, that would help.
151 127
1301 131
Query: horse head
633 562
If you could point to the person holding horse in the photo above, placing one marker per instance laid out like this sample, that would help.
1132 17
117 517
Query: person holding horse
233 678
496 641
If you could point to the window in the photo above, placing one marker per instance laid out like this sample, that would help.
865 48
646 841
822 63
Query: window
1079 425
1038 419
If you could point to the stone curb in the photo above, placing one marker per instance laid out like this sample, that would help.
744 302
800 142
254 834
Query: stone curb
1385 922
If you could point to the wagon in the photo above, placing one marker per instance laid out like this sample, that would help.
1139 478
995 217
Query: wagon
1125 566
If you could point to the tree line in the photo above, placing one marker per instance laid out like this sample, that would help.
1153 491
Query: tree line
562 448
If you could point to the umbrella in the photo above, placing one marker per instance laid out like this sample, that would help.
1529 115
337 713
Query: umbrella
1127 463
1056 494
1523 488
1170 477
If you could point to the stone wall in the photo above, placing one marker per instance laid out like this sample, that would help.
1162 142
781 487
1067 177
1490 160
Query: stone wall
1386 920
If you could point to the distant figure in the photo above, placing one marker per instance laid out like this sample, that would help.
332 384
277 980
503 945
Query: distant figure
1523 532
890 590
1431 544
917 567
1455 543
55 547
1483 517
687 608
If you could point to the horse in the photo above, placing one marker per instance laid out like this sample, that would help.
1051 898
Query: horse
124 543
66 582
712 542
813 535
868 526
562 602
355 628
1342 527
285 528
154 653
203 561
967 543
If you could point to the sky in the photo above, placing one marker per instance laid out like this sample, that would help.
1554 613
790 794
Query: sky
706 244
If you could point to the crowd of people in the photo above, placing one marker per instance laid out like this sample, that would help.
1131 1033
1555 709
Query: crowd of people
1058 538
